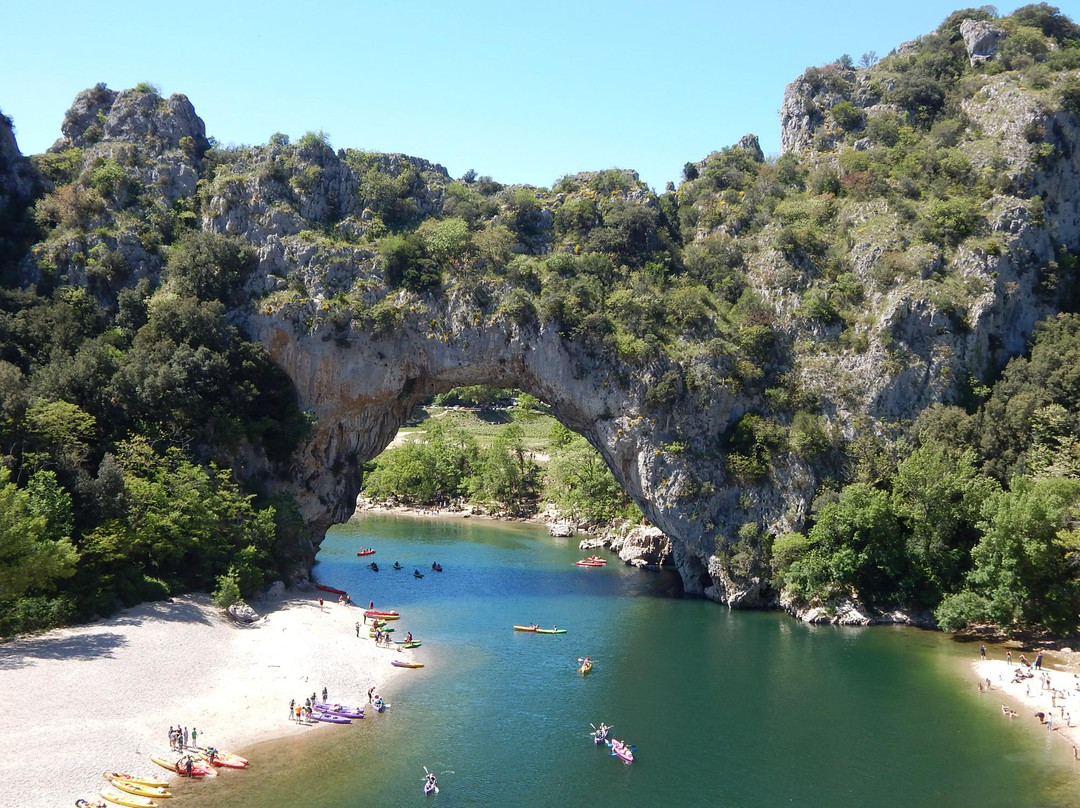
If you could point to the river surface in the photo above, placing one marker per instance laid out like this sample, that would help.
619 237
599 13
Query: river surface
726 708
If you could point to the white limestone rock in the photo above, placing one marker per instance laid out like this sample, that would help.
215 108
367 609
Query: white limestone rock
981 39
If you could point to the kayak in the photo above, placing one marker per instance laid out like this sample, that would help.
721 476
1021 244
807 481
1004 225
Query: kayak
366 551
621 750
417 574
411 644
95 804
585 563
330 718
379 704
437 567
137 788
429 786
586 667
199 768
403 642
400 663
526 628
226 759
340 709
141 779
331 589
384 615
551 631
133 800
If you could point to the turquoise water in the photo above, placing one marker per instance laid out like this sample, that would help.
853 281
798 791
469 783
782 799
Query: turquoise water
725 708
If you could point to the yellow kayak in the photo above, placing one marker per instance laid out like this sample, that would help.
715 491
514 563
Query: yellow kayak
131 800
141 779
398 663
137 788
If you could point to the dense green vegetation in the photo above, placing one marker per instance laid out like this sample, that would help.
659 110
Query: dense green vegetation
119 421
507 461
977 517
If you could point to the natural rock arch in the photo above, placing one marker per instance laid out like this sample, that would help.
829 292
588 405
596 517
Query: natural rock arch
361 390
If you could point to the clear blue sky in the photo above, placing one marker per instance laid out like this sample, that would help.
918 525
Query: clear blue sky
525 92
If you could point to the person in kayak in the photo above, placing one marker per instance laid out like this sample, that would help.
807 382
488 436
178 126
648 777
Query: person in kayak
432 782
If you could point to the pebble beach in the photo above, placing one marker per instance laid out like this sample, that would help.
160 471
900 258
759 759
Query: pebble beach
101 697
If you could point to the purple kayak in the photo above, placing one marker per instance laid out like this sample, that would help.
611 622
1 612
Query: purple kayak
339 709
330 718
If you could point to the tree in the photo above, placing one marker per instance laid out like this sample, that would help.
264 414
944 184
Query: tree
60 435
30 557
938 495
581 483
209 266
444 239
505 472
1024 572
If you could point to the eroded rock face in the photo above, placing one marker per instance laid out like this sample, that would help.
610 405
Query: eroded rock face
981 39
644 547
134 116
17 180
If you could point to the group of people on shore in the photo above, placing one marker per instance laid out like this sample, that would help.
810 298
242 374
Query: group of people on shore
1025 673
178 738
301 713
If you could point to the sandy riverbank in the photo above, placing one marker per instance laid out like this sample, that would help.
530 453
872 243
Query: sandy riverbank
1054 691
83 700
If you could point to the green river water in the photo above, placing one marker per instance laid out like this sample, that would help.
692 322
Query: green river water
726 708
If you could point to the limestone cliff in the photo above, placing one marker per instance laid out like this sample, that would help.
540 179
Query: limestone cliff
911 299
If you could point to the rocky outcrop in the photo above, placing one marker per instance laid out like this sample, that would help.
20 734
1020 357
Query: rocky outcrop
139 117
242 613
644 546
17 179
981 39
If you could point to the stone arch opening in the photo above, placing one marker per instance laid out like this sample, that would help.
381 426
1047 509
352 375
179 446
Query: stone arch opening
362 390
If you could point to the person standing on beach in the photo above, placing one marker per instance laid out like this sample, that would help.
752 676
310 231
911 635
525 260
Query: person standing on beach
194 737
1038 661
358 627
185 737
324 694
1008 657
982 651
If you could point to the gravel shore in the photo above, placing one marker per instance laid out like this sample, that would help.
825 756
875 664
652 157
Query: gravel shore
84 700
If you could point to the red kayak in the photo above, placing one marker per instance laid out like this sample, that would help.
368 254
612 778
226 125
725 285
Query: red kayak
331 589
366 551
374 613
